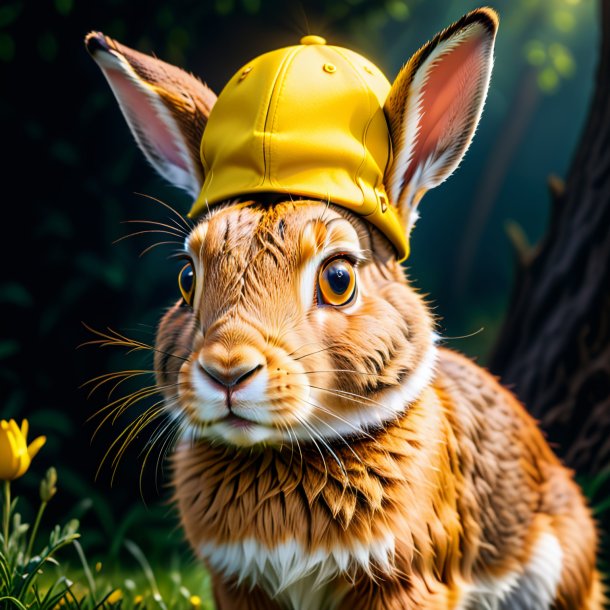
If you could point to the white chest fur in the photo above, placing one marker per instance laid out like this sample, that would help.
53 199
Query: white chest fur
534 588
297 577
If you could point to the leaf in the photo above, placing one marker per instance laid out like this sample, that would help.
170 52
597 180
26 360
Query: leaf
14 601
51 598
135 550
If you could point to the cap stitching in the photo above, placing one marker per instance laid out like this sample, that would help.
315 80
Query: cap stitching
271 115
369 94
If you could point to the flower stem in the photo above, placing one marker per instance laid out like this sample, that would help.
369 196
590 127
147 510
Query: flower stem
43 505
7 514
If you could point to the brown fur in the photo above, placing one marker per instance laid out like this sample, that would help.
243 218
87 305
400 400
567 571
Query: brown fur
464 478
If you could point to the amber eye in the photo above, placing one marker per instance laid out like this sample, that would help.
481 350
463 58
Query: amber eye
337 282
186 282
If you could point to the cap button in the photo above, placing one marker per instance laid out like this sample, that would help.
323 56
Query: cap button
311 39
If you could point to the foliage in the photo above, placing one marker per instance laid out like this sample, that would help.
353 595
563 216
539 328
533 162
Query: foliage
20 566
32 577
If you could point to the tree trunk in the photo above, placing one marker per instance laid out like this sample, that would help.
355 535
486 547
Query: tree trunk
554 348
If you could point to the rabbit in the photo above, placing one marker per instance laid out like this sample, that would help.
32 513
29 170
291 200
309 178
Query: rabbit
334 455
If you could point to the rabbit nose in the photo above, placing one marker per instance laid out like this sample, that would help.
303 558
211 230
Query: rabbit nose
230 378
231 375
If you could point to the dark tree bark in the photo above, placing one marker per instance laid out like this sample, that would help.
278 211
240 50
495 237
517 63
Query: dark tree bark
554 348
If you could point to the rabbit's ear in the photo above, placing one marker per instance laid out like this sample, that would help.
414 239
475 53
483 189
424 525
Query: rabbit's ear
434 107
166 108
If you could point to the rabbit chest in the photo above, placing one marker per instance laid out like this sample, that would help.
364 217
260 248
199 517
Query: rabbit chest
305 526
297 577
287 523
294 521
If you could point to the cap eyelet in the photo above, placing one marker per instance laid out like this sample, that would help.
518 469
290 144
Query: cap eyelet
245 72
383 200
329 68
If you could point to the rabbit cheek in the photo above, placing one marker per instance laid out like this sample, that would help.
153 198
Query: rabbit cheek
173 346
289 395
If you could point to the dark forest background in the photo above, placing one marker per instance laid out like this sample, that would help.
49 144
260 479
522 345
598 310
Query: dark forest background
73 173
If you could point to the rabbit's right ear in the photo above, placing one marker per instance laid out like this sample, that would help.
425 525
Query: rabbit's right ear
434 107
165 107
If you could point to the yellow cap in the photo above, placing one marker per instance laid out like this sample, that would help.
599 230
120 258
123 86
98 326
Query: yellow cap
307 121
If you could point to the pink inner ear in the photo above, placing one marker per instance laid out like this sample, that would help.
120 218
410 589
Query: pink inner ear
448 99
152 132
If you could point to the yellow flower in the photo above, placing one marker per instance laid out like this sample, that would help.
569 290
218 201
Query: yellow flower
195 601
15 454
138 599
114 597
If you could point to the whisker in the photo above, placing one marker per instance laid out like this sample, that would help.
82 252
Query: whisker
136 424
356 429
157 435
293 439
134 430
177 254
339 436
156 245
316 352
293 352
157 223
129 399
119 409
292 435
117 402
308 430
444 339
351 396
116 339
181 218
181 426
313 433
377 375
109 376
146 232
122 376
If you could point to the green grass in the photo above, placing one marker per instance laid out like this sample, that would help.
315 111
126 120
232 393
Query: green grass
52 571
180 585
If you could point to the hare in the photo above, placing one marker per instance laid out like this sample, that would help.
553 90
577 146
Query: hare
334 455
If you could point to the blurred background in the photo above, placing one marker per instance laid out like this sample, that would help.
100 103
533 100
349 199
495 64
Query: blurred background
74 172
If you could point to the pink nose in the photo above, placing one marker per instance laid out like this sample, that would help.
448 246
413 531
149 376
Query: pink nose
233 377
230 369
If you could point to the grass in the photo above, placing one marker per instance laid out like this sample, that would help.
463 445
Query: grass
52 571
180 585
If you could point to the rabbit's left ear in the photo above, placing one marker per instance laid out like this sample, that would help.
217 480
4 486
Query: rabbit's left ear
165 107
434 107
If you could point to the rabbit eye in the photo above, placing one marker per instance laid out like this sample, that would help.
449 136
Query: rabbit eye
186 282
337 282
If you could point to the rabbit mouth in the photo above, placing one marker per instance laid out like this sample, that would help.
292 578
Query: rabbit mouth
235 430
237 421
257 410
